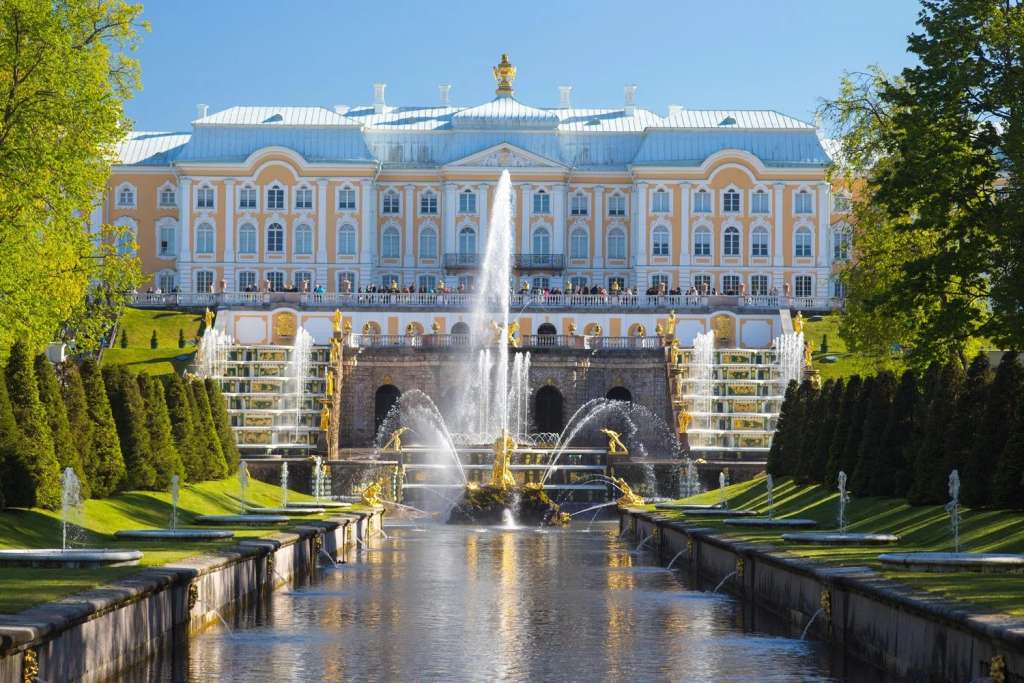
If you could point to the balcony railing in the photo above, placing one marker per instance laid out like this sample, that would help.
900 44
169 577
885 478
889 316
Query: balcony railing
528 341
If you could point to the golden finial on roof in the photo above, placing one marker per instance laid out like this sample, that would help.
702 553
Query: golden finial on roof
504 74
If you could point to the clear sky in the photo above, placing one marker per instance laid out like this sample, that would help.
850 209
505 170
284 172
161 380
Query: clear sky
743 54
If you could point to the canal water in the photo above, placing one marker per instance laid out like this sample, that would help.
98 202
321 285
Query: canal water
445 603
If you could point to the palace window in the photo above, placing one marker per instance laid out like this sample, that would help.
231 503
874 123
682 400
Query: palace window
428 203
702 201
802 243
387 280
428 243
541 241
275 198
759 202
802 285
246 280
204 239
247 239
579 244
840 246
702 242
302 277
659 282
617 205
467 201
759 242
390 243
247 198
578 283
731 243
346 199
126 197
731 201
702 282
660 202
276 280
802 202
838 289
349 278
166 281
578 205
168 240
304 198
426 283
168 198
346 240
126 238
758 285
731 284
659 241
616 244
539 284
467 241
616 284
391 203
275 238
541 202
841 203
304 240
205 198
204 281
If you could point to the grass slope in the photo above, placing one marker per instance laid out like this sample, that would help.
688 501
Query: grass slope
167 357
919 528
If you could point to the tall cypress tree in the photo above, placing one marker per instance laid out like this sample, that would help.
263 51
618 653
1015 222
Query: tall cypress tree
16 482
930 472
813 412
1008 481
989 439
57 415
80 426
213 455
166 460
783 426
218 409
179 407
879 406
37 460
851 396
892 474
107 463
130 417
851 450
962 429
832 397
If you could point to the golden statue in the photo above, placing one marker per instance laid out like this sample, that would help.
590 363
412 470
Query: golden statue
394 444
330 382
659 329
670 326
208 319
798 323
435 327
348 327
683 421
495 333
371 494
615 445
410 330
628 499
808 351
504 74
675 354
325 418
513 330
572 328
336 321
367 328
641 331
501 473
598 331
335 350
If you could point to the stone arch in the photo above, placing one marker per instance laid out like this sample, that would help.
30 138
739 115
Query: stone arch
548 409
384 399
547 329
619 394
460 328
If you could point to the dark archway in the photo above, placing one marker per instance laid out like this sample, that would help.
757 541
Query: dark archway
547 328
387 395
460 328
547 410
619 394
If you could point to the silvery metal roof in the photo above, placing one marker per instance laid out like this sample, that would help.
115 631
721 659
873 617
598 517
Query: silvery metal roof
692 147
142 148
280 116
747 119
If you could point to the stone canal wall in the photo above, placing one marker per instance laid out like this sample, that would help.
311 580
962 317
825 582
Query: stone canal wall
97 634
910 633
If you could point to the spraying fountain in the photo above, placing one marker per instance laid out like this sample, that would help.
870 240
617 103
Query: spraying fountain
319 479
842 536
172 531
285 509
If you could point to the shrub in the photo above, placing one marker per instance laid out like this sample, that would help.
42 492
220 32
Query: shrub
892 475
215 467
179 408
129 412
15 478
1008 481
811 407
166 459
785 425
107 464
992 433
153 341
79 423
222 423
851 394
832 397
876 416
824 343
930 472
64 441
181 338
124 338
961 430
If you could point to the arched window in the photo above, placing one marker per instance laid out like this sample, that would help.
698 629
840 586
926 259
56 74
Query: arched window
204 239
759 242
731 243
304 240
391 203
660 202
126 197
759 202
579 244
617 204
702 201
616 244
384 400
802 202
467 241
390 243
247 239
168 197
659 241
275 238
619 394
346 240
547 410
467 201
702 242
802 243
541 241
840 245
204 281
428 243
731 201
275 198
460 328
579 204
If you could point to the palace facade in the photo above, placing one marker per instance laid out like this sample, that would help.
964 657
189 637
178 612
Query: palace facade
367 196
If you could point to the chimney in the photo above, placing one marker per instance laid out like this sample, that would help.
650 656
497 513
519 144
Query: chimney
674 109
444 90
564 91
341 109
630 104
378 97
201 110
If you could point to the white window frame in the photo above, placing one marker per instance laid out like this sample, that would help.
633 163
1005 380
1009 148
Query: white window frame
801 193
467 201
172 244
466 233
390 203
800 232
248 198
205 287
284 238
842 245
206 192
759 291
618 207
391 242
540 205
211 233
664 195
301 192
729 193
255 279
428 203
657 247
541 233
428 230
346 228
307 230
702 193
160 193
738 244
619 234
579 205
575 236
275 205
132 199
242 250
755 232
797 279
760 192
342 198
701 250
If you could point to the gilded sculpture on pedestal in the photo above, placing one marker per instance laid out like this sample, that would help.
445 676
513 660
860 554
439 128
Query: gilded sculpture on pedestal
628 499
325 418
798 323
371 494
670 326
208 319
513 330
504 74
501 472
394 443
330 382
683 421
615 445
336 321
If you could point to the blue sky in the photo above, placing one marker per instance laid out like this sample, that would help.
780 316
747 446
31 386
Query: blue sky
779 54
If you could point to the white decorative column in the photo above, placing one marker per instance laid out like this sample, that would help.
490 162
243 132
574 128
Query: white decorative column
558 193
485 220
368 242
684 234
598 226
229 233
640 227
525 237
823 207
321 232
778 242
448 207
184 234
410 204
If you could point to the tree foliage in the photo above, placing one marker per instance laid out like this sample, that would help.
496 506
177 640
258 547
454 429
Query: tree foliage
50 396
166 460
129 412
35 465
990 435
79 422
219 414
105 467
179 407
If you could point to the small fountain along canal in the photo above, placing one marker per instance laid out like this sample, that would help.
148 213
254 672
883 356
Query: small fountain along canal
458 603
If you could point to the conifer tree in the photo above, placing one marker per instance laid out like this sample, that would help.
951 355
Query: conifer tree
124 338
107 463
154 342
930 473
961 431
989 439
851 395
877 409
892 474
1008 481
179 408
851 451
832 396
783 426
219 412
15 477
36 460
166 460
181 338
79 423
130 417
64 441
213 455
811 416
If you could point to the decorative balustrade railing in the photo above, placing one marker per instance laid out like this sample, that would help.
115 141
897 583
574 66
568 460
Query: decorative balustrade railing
528 341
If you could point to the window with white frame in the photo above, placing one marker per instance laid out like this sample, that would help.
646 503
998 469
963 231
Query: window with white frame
247 239
302 277
539 284
428 203
467 201
731 242
126 241
276 280
731 201
541 202
578 205
167 281
660 201
702 201
731 284
616 244
428 243
702 242
126 197
204 281
579 244
659 282
168 244
838 288
759 242
204 239
389 279
758 285
702 283
391 243
391 203
841 203
578 283
275 238
247 281
802 243
426 283
466 282
346 240
541 241
206 197
304 240
659 241
247 197
616 284
346 199
346 281
617 204
802 285
840 245
168 198
802 202
467 241
759 202
304 198
275 198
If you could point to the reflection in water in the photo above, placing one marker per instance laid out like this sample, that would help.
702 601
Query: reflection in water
454 604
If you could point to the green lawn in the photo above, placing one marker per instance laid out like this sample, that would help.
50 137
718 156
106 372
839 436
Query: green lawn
919 528
22 588
167 357
846 363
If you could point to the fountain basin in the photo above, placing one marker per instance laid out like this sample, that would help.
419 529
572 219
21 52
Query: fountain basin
174 534
242 520
55 558
720 512
685 506
837 538
765 523
329 504
987 563
285 511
